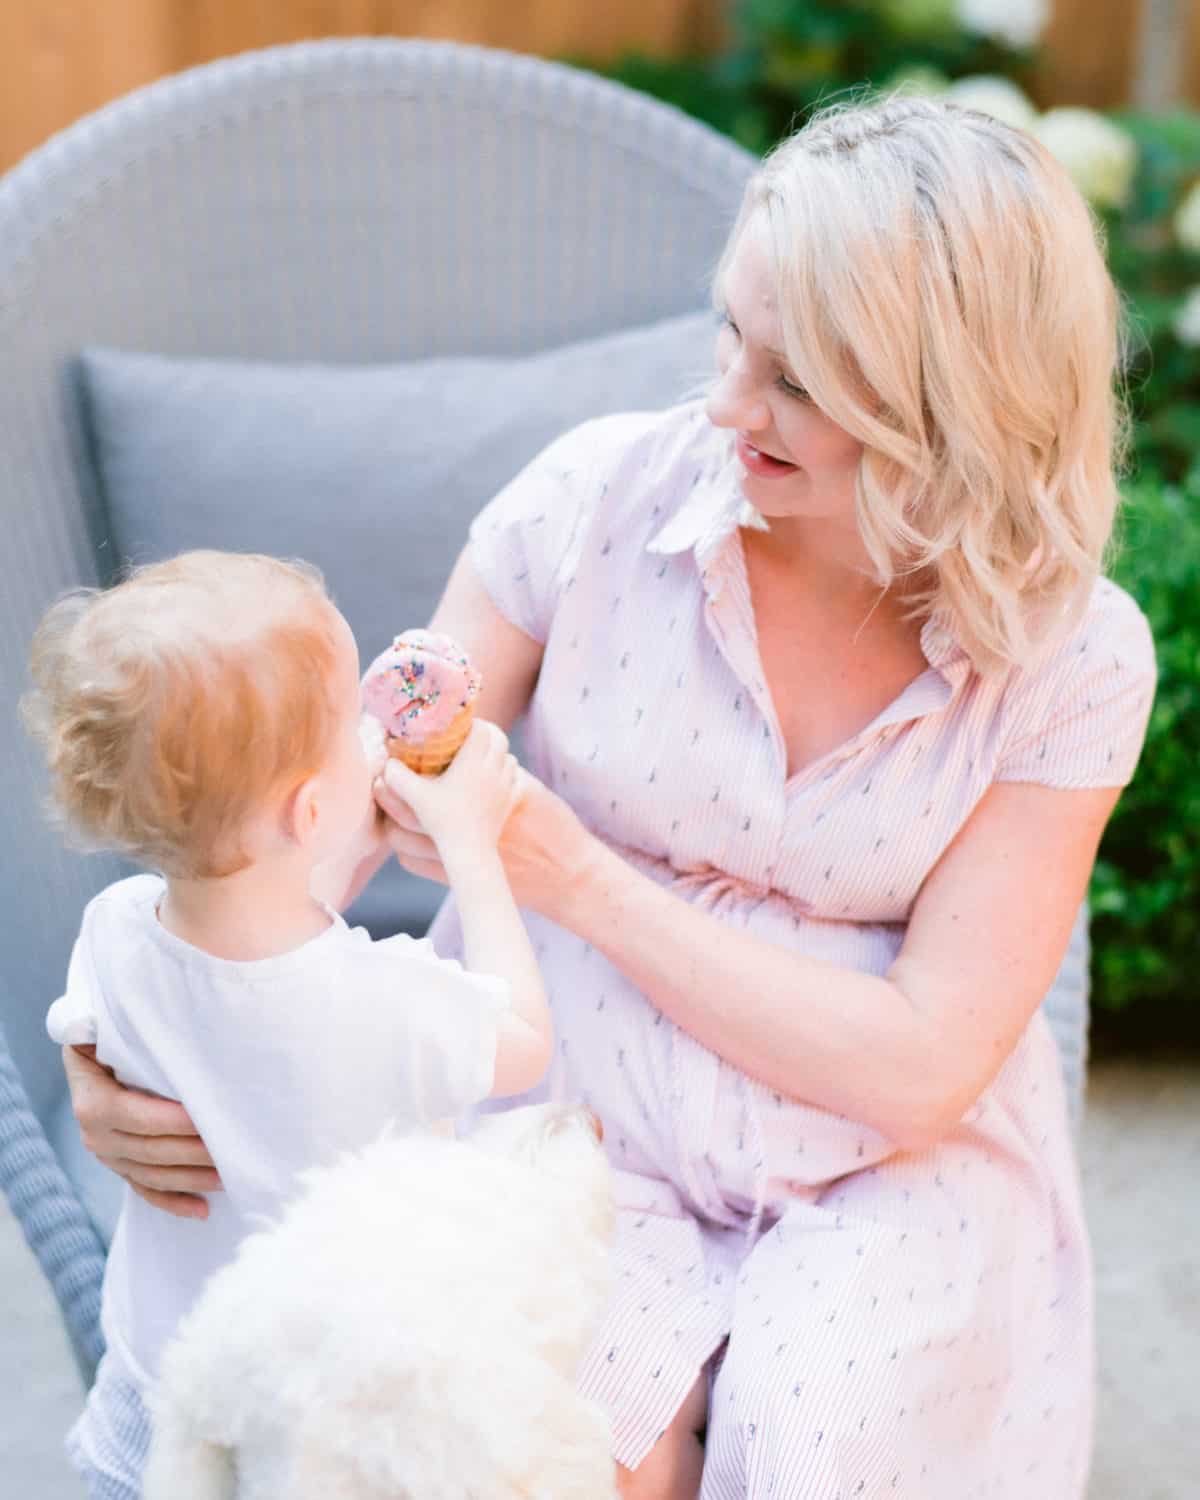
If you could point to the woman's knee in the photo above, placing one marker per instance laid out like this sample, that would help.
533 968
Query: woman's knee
692 1416
672 1469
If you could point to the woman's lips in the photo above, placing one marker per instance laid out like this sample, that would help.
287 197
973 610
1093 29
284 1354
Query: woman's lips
761 463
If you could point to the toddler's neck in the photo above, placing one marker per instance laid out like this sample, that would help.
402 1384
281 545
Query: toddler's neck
260 912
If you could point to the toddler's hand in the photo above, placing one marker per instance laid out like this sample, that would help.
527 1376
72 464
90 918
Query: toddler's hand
469 803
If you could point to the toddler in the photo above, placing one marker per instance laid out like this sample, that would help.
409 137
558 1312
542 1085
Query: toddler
202 717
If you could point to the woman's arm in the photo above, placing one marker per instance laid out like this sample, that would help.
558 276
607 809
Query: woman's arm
150 1142
905 1053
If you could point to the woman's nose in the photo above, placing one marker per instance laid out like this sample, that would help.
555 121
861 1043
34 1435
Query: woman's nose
736 400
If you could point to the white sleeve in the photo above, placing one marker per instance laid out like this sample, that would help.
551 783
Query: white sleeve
438 1020
71 1020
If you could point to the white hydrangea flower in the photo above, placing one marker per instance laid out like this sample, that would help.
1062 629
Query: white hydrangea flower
1100 157
1187 320
995 96
1187 220
1016 23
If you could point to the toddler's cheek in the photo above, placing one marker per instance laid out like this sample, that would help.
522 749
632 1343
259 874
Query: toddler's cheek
374 743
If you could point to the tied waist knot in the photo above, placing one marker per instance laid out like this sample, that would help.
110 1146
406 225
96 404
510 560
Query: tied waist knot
703 885
710 889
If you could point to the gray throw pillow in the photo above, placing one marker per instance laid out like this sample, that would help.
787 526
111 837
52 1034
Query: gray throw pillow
372 472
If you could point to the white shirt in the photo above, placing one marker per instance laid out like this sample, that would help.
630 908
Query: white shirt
282 1063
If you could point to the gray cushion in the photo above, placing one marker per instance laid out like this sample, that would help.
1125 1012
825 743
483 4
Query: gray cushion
373 472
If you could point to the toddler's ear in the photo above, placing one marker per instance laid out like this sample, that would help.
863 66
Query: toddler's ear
302 811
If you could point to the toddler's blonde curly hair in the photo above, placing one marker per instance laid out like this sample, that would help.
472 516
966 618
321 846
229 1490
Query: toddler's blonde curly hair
174 705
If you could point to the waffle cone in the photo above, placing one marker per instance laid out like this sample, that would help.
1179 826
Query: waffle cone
431 756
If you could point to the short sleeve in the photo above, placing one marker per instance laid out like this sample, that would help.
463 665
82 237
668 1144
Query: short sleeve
1079 719
71 1020
522 541
438 1020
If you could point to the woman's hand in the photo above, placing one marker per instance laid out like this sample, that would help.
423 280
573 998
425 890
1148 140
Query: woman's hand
546 850
150 1142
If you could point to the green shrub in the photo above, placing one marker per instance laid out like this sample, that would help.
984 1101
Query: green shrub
1154 272
1146 888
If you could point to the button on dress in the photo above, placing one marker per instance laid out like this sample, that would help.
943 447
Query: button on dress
876 1323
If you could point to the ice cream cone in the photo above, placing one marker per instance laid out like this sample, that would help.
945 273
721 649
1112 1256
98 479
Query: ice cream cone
430 757
422 691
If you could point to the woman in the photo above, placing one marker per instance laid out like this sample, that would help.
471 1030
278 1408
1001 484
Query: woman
829 707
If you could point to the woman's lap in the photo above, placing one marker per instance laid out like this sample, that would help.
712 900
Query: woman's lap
914 1334
841 1384
668 1314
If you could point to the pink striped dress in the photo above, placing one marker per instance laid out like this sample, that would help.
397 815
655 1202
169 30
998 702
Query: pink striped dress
876 1324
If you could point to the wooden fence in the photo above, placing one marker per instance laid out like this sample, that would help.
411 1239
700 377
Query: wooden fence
60 59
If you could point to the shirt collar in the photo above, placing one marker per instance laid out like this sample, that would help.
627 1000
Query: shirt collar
940 644
702 526
711 512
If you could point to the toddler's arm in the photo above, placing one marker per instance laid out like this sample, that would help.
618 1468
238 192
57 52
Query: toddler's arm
464 811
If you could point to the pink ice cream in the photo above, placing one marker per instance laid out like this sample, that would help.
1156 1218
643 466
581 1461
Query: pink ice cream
419 685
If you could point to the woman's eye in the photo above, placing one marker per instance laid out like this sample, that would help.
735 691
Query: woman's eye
797 391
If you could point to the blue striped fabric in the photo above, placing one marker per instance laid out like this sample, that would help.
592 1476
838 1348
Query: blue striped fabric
52 1217
108 1444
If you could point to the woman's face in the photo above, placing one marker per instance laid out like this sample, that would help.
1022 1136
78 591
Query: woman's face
796 462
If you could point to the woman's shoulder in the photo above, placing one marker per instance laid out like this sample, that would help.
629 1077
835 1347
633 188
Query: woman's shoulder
611 480
1111 633
603 472
1077 715
648 442
648 466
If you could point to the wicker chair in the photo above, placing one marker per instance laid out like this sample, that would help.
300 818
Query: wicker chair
254 208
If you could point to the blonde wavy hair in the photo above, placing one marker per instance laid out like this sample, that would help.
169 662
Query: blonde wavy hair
172 707
945 300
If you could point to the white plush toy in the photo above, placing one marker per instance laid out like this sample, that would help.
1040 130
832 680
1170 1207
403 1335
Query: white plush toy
410 1330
